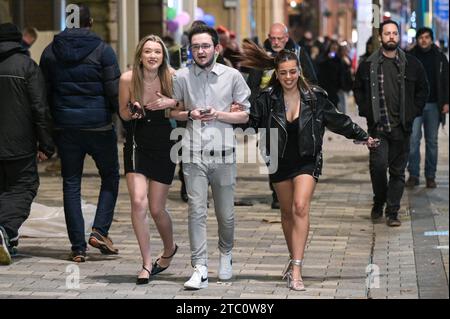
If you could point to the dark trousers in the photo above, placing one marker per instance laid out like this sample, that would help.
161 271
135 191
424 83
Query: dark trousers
391 156
19 182
73 145
274 193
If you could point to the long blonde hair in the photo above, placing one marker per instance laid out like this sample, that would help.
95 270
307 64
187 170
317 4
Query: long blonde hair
137 79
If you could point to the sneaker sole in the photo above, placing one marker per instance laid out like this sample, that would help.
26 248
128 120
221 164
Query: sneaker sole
5 257
104 249
202 286
225 278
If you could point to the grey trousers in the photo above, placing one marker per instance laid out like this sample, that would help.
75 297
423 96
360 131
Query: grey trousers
222 178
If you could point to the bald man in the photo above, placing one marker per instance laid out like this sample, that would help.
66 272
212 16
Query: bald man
278 40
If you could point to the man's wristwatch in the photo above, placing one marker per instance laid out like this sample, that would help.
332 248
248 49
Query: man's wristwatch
189 115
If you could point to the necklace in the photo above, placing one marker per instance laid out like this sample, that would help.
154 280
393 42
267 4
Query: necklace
287 103
151 82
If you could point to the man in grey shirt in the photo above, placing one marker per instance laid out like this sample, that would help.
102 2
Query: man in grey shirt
205 92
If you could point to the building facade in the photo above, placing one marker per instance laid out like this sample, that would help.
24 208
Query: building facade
119 22
123 22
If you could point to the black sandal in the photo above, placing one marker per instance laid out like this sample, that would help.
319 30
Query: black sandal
144 281
157 268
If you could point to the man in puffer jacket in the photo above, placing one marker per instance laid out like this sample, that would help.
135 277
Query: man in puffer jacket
24 132
83 79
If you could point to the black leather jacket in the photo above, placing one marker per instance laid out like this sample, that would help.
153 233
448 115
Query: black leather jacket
317 112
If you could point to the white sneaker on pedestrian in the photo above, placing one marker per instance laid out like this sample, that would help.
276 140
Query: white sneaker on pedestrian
225 266
199 278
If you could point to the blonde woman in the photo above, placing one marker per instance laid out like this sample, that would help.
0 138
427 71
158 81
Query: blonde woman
143 98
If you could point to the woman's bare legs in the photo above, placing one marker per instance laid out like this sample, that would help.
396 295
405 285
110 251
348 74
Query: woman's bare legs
138 189
157 198
304 186
295 201
285 193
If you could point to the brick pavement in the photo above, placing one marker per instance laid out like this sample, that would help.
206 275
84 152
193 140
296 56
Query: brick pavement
342 243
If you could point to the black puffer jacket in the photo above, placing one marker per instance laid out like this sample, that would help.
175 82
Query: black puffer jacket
317 112
82 77
25 122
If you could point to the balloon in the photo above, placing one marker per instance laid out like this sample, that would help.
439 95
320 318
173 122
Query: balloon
172 26
209 20
199 13
183 18
171 13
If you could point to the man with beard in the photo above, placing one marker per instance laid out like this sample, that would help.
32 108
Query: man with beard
391 90
435 111
205 92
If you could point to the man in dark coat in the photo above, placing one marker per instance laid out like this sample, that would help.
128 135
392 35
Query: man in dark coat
436 65
391 90
24 133
83 75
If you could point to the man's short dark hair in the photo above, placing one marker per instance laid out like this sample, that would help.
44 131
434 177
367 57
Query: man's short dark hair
31 32
424 30
85 15
199 29
196 23
380 30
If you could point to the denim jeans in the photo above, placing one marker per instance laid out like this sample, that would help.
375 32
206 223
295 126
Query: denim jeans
430 120
73 145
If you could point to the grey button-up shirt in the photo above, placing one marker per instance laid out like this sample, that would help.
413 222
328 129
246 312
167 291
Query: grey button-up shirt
219 88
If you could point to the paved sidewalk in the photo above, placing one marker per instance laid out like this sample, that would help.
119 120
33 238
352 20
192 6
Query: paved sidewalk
343 243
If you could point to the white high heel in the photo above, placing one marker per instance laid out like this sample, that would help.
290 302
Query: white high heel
294 284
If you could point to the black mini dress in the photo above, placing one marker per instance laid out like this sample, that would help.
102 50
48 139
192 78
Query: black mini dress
292 164
147 148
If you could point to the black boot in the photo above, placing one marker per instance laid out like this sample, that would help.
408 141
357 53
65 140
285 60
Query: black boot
377 212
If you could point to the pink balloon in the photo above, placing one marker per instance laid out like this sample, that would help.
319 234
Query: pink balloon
183 18
199 13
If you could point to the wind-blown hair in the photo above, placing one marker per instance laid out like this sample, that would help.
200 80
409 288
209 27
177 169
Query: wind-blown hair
255 57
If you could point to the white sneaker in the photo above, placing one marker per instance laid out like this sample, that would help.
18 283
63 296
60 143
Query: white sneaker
225 266
199 278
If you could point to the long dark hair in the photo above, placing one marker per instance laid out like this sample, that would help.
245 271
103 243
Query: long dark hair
255 57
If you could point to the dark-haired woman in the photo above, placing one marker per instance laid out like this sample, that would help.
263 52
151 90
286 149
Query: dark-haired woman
148 166
300 113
